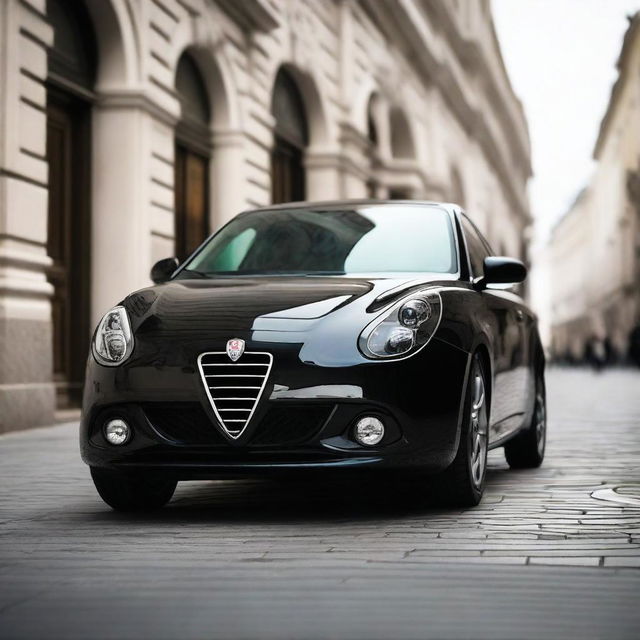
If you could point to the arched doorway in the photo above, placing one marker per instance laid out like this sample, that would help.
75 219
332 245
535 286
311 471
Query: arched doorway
192 156
401 138
402 148
70 83
290 140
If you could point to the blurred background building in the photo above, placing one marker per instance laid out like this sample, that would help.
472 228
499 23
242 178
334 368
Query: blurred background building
130 129
595 247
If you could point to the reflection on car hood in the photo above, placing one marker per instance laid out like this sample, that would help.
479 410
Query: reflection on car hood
237 302
280 309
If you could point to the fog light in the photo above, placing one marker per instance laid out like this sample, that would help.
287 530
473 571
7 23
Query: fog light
117 431
369 431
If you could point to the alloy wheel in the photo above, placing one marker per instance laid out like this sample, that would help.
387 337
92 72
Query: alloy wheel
541 422
478 430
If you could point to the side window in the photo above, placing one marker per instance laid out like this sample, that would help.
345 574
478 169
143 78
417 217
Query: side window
475 247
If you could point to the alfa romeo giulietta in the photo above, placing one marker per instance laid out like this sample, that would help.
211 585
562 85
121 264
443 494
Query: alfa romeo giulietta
355 335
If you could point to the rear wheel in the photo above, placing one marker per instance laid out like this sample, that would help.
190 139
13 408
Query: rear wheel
132 492
462 484
526 450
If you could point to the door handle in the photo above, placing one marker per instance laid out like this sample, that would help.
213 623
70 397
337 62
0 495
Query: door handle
520 315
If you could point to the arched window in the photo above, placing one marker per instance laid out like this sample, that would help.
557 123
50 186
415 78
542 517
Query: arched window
372 128
373 136
70 84
401 140
192 155
291 139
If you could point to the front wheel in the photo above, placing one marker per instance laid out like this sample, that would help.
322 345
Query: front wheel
526 450
462 483
132 492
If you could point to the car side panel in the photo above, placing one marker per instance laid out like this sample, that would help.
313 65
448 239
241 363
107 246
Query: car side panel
490 318
512 369
509 332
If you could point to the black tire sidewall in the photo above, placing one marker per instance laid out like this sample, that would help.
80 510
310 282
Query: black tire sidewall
522 451
132 492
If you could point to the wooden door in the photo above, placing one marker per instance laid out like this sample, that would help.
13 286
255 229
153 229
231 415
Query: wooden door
68 243
287 173
399 193
192 194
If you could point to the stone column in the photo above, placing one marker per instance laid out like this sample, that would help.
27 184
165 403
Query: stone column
27 396
323 176
356 169
228 180
120 237
132 195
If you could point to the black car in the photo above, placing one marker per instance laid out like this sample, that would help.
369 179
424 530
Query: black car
336 336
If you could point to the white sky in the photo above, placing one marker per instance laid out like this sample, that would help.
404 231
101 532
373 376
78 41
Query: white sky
561 56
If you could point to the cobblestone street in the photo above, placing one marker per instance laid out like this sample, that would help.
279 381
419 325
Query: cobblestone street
550 552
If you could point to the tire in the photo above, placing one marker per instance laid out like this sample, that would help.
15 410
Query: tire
462 483
132 492
526 450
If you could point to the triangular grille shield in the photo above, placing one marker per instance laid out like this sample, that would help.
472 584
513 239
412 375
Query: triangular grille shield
234 388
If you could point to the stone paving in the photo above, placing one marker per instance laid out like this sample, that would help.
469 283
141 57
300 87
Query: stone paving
327 558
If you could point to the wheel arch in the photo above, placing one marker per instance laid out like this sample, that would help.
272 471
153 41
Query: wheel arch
539 358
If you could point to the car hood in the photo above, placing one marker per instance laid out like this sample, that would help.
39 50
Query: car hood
205 313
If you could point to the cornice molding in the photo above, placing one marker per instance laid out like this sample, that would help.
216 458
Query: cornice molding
399 24
631 40
136 99
336 160
350 135
251 15
472 56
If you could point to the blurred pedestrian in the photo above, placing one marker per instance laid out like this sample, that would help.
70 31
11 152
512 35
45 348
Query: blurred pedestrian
596 352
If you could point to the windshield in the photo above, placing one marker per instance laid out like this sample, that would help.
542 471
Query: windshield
363 240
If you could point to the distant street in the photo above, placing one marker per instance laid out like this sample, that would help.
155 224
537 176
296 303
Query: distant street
549 553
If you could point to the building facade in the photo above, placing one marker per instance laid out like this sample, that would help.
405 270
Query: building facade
595 248
130 129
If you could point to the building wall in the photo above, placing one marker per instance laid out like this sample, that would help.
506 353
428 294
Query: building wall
596 246
435 62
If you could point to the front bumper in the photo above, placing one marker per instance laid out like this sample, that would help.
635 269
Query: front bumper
303 421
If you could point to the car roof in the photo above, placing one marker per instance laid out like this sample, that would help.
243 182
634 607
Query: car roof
352 203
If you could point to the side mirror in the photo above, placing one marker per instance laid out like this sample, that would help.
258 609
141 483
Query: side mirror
501 270
163 270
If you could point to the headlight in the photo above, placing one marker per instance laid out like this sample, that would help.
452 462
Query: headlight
113 341
406 328
414 313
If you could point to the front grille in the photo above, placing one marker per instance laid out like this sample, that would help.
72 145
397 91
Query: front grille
234 388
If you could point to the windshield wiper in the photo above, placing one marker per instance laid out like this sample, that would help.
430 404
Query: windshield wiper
193 272
186 273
